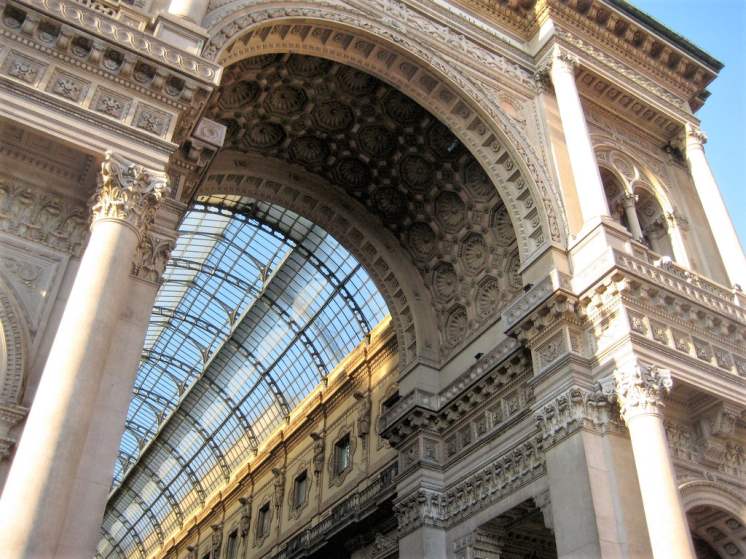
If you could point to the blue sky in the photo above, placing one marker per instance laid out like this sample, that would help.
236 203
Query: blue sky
719 28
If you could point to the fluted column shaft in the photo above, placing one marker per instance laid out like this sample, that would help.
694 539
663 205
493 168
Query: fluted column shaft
717 215
35 499
640 390
590 190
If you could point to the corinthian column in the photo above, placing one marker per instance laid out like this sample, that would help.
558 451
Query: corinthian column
640 391
726 238
590 190
40 480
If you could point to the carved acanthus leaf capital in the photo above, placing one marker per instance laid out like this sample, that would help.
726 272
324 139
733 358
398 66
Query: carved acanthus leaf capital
128 192
640 389
564 60
151 257
695 136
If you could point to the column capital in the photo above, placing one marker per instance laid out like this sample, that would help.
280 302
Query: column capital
564 60
629 199
694 136
640 389
128 192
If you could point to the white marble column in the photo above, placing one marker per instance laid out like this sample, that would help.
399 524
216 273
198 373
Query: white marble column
640 390
717 215
590 190
35 500
630 212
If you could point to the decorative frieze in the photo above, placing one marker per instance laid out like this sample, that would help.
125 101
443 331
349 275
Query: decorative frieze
128 192
576 409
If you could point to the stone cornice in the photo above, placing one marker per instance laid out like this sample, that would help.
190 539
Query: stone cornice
143 43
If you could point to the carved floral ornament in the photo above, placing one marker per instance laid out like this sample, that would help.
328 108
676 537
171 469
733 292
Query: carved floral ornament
128 192
638 389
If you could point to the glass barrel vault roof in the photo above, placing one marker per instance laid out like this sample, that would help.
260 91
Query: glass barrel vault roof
257 305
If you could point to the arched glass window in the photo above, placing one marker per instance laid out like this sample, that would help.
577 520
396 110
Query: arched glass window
257 306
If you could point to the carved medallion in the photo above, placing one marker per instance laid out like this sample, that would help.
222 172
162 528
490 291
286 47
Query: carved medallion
450 211
352 172
503 228
421 240
376 141
333 116
488 296
238 94
473 253
391 202
264 135
308 66
477 181
401 108
285 100
456 325
309 150
442 141
445 281
355 82
416 171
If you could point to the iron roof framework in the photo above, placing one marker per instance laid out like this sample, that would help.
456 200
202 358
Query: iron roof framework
257 305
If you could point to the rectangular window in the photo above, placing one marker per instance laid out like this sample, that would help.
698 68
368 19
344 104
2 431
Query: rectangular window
231 548
342 455
299 490
263 521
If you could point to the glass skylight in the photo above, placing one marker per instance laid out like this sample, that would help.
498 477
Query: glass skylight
257 305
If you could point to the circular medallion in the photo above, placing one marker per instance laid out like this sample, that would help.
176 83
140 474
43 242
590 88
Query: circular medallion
450 211
352 173
285 99
390 202
416 171
264 135
333 116
307 66
376 141
355 82
309 150
238 94
477 181
456 325
421 240
502 226
488 297
473 253
443 142
401 108
445 281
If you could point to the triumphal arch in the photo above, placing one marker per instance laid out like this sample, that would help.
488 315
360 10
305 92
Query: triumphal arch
364 279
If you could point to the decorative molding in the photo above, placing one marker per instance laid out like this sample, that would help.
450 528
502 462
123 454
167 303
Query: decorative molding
575 409
639 389
128 192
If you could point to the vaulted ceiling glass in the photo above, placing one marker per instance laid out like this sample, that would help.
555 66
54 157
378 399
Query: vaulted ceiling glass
257 305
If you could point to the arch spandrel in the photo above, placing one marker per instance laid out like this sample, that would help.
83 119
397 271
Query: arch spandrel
470 111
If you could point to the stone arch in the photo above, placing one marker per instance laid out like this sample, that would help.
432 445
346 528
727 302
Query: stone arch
13 348
710 493
349 222
471 112
717 518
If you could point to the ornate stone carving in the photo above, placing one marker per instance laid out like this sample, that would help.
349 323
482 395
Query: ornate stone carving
318 453
424 507
456 325
640 388
363 418
278 487
128 192
42 217
216 540
244 523
575 409
151 257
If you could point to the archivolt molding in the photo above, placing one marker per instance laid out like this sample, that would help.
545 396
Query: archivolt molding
702 492
472 113
377 250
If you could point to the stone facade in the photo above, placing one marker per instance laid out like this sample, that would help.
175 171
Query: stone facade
563 371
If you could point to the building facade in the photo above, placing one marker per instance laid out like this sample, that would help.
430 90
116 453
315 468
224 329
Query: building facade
364 279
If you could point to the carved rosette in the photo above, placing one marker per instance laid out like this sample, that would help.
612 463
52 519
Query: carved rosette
128 192
640 389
